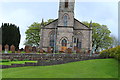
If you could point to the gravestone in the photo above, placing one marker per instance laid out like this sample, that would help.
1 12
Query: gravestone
69 50
30 49
0 48
78 50
6 48
75 48
89 51
12 48
26 49
41 50
49 50
18 51
34 49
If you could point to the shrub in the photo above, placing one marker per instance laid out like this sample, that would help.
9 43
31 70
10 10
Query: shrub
112 52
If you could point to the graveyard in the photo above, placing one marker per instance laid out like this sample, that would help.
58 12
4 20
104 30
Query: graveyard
62 65
29 55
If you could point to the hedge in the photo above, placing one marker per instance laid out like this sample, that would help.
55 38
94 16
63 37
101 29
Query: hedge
112 52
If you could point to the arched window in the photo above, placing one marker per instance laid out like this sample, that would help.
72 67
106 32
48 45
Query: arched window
64 42
65 20
78 37
78 45
66 3
52 39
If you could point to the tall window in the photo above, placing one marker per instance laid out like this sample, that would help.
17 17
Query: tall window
78 45
52 39
64 42
66 3
75 40
65 20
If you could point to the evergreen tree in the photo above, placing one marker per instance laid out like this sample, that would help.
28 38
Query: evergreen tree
10 35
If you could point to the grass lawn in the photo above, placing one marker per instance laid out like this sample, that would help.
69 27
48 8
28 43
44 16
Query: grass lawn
15 62
98 68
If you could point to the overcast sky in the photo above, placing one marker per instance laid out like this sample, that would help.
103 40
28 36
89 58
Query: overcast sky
23 14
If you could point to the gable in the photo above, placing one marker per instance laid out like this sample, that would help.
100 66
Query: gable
79 25
52 24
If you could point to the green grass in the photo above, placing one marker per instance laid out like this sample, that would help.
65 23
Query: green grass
15 62
98 68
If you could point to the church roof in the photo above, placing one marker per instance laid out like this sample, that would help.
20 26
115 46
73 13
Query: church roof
45 26
81 22
51 22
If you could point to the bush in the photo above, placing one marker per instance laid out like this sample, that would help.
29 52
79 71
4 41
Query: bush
112 52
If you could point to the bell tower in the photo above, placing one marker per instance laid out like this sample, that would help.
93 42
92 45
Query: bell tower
66 13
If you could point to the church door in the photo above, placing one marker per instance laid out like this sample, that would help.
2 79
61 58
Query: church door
64 45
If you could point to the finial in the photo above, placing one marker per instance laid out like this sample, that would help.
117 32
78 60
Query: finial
90 24
42 23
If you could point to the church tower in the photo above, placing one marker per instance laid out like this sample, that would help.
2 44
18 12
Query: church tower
66 13
65 24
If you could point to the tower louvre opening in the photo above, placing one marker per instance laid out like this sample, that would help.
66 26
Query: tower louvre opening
66 3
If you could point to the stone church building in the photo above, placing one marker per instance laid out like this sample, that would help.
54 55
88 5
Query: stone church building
66 31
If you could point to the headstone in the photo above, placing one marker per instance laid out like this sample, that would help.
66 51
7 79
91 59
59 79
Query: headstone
0 48
30 49
49 50
75 48
6 48
34 49
26 49
88 51
18 51
12 48
78 51
69 50
41 50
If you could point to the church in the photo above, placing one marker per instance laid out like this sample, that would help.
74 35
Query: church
66 31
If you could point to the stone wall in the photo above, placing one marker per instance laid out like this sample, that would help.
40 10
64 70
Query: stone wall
32 56
46 59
